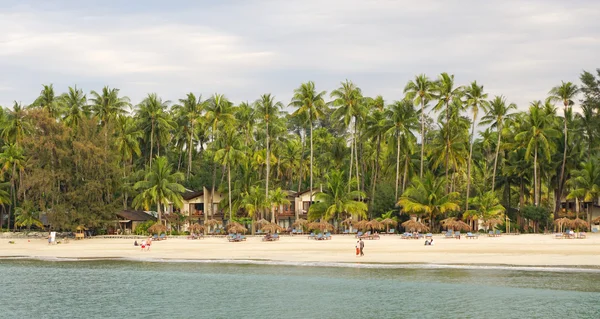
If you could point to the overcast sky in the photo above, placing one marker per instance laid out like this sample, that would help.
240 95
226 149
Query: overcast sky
245 48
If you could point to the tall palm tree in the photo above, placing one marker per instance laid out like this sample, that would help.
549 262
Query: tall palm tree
160 185
107 105
246 118
74 104
427 195
310 105
402 118
486 207
268 109
565 93
16 125
349 101
475 99
420 91
586 183
190 109
495 116
277 198
254 202
155 121
230 154
537 134
48 101
128 137
12 160
26 216
219 110
336 200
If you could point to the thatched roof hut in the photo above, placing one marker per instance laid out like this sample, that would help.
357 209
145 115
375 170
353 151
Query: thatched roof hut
413 225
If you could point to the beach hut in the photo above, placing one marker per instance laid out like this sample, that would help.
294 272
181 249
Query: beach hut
387 222
80 232
413 225
272 228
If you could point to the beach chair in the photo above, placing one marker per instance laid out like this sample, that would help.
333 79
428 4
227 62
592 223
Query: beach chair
419 236
163 237
375 236
491 233
319 237
595 230
231 237
155 238
293 232
299 231
559 236
358 234
428 235
391 231
449 234
275 237
498 233
472 235
327 236
259 232
346 232
457 234
311 236
581 236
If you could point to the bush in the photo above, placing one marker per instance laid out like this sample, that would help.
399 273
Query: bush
142 229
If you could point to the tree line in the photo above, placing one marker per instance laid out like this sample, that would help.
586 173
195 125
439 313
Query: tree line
443 150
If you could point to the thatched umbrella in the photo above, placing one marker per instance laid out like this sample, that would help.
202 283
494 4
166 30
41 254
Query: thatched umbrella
322 225
362 225
272 228
387 222
491 223
157 228
596 220
213 222
579 223
448 222
196 228
374 224
300 222
261 222
453 223
237 228
561 222
413 225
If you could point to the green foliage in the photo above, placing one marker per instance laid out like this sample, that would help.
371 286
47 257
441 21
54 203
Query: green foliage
535 213
142 228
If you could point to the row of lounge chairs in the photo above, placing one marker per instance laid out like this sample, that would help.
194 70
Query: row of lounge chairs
161 237
269 237
408 235
367 235
196 236
236 237
497 233
320 236
569 235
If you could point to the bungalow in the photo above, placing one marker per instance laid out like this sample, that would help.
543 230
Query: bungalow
286 214
594 211
129 220
197 203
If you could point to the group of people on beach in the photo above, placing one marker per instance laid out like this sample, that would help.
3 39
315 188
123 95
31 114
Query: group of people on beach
429 242
145 244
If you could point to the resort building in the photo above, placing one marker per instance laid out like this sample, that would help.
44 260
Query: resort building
197 203
128 220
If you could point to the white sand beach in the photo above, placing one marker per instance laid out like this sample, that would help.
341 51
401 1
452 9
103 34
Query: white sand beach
520 250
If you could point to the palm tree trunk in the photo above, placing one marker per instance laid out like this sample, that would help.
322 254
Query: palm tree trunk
356 152
405 177
191 140
351 162
268 165
214 181
564 161
229 188
159 211
447 145
151 142
471 140
397 163
311 159
422 134
496 157
301 162
535 180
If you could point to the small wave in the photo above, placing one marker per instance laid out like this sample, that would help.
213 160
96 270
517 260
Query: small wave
426 266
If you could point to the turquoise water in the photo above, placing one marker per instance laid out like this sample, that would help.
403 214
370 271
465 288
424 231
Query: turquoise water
122 289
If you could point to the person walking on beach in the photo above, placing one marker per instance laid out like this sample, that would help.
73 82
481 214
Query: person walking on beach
357 248
362 246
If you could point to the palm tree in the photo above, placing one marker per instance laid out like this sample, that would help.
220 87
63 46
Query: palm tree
268 109
246 117
487 206
219 110
402 118
420 91
495 116
190 109
26 216
336 200
16 125
586 183
160 186
128 137
536 134
253 201
427 195
4 200
107 106
277 198
350 108
475 99
74 104
13 160
310 105
230 154
48 101
154 120
565 93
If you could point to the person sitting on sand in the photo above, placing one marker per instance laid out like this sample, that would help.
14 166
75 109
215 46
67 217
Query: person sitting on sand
431 242
135 243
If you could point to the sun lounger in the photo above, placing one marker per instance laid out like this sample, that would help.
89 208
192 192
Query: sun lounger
581 235
457 234
319 237
328 236
293 232
163 237
472 235
375 236
449 234
311 236
428 235
559 236
391 231
346 232
231 237
491 234
498 233
365 235
275 237
358 234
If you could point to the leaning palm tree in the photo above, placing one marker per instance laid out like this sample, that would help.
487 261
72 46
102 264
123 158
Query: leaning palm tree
335 200
495 116
310 105
427 195
421 91
160 186
475 99
230 154
565 93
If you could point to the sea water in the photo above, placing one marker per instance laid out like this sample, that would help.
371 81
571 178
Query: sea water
135 289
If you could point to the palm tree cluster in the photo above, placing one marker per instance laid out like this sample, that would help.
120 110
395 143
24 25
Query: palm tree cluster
443 150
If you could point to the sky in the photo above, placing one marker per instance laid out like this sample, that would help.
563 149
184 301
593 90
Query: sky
519 49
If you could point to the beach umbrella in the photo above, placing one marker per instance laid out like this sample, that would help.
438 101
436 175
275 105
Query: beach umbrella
213 222
272 228
579 223
374 224
491 223
448 222
388 221
157 228
412 225
322 225
196 228
596 220
460 225
362 225
261 222
237 228
300 222
561 222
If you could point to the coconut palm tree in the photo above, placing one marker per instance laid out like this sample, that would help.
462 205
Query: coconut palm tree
12 160
230 154
277 198
495 116
427 196
486 207
475 99
26 216
310 106
268 109
107 105
190 109
586 183
48 101
16 125
74 105
336 200
154 121
246 118
537 136
350 107
421 91
565 93
160 185
254 202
